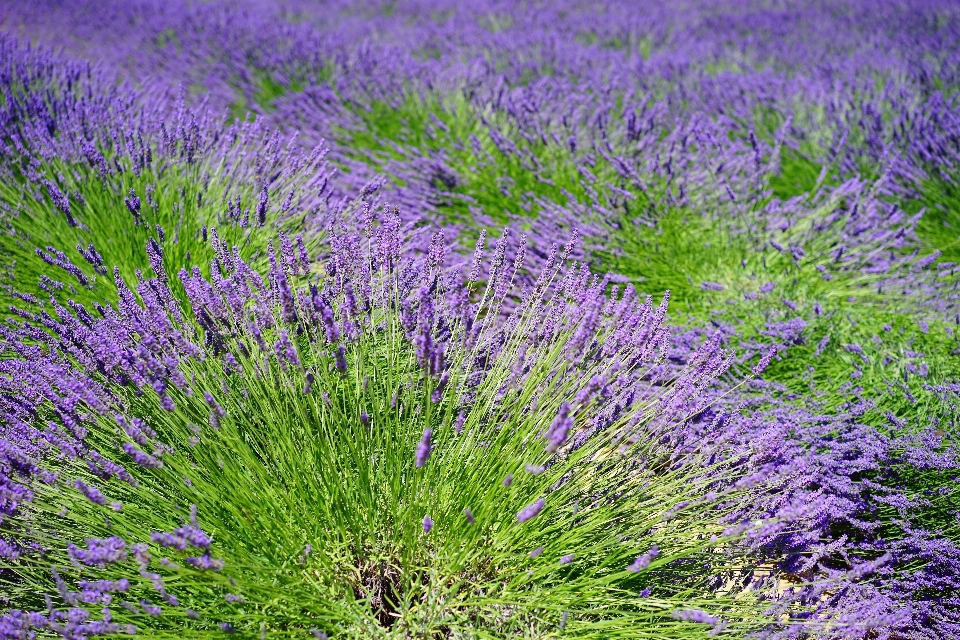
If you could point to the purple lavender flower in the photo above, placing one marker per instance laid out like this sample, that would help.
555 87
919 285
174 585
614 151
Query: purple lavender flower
99 591
427 524
92 493
764 361
557 434
262 205
642 562
341 360
531 511
182 537
141 458
670 147
424 447
695 615
61 202
823 344
99 552
477 257
205 562
133 205
150 609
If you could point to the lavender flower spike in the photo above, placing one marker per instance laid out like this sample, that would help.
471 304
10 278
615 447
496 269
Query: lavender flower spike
643 561
531 511
560 428
424 447
695 615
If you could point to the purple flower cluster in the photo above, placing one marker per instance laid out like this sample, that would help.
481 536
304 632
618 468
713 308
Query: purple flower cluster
99 552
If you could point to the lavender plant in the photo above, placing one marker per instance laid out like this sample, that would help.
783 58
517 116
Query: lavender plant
366 453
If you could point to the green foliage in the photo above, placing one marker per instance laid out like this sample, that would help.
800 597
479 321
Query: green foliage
939 228
680 249
264 91
797 175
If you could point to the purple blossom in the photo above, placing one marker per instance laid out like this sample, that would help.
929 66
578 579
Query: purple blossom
424 447
61 202
205 562
557 434
764 361
92 493
341 360
477 257
664 140
262 205
531 511
98 591
150 609
695 615
99 552
133 205
143 459
642 562
182 537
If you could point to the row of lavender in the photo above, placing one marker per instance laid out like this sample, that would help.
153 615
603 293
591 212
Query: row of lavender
581 78
548 104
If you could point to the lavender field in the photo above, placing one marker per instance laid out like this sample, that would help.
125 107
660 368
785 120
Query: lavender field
451 320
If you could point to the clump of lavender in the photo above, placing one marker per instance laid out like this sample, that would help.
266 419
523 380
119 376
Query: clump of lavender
165 465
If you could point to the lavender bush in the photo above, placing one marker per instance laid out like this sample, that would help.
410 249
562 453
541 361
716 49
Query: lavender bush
785 171
367 453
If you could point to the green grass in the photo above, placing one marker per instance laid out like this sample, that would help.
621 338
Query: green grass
485 178
798 175
267 87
